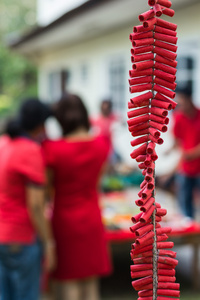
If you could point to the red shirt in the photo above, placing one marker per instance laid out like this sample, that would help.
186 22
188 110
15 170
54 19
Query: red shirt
20 163
187 131
103 125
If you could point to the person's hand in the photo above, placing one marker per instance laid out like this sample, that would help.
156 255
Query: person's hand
189 155
49 256
192 154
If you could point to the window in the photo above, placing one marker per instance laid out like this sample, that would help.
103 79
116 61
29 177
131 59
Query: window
188 66
54 86
84 72
65 77
185 71
117 87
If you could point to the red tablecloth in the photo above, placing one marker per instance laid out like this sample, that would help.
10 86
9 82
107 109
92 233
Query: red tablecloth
126 235
118 207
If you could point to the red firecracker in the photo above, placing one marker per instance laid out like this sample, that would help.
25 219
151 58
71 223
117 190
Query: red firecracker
153 75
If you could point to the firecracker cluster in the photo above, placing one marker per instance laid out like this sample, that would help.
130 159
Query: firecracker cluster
152 78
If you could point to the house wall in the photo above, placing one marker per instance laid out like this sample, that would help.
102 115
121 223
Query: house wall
95 56
189 43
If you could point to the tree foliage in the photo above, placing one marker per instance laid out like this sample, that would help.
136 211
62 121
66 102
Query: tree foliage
18 77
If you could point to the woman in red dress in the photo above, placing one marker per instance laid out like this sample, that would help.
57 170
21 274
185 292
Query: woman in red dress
75 162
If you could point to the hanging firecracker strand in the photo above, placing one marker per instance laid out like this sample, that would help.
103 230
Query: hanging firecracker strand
153 75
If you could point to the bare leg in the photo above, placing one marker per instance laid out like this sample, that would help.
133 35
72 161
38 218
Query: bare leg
55 291
90 289
71 290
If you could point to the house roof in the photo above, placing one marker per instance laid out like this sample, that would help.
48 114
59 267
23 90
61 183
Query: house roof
67 16
86 21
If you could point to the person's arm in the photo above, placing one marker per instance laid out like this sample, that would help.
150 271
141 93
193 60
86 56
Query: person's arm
192 154
49 190
176 132
36 205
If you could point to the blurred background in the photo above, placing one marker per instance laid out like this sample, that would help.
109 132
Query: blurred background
52 46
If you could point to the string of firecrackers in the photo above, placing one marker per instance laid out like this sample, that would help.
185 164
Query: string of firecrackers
153 75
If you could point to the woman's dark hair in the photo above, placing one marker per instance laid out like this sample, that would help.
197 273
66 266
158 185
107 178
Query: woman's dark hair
71 113
13 128
32 113
185 90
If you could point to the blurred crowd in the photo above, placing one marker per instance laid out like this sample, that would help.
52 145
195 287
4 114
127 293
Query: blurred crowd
50 218
49 203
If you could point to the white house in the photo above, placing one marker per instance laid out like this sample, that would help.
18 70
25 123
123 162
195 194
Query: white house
84 47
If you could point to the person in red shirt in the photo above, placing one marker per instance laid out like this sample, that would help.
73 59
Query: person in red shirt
102 125
187 137
22 222
75 163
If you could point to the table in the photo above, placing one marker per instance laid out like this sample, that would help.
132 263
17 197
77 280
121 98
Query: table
184 231
191 237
